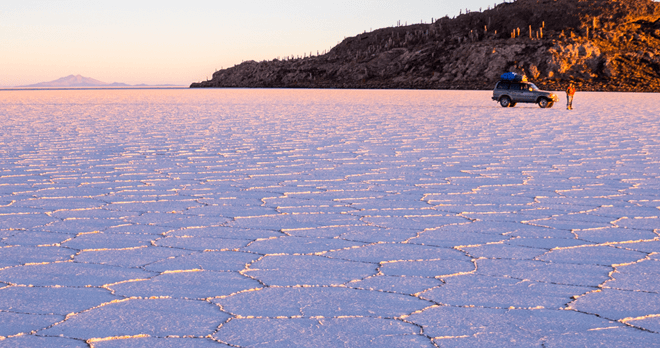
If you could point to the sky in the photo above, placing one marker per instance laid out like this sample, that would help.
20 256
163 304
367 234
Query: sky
180 42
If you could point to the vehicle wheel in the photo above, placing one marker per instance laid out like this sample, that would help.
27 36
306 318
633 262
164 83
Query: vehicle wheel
505 101
512 104
544 103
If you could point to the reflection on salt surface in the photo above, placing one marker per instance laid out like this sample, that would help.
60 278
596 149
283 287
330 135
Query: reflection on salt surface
444 217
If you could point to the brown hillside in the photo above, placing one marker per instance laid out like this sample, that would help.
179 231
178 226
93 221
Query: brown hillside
600 44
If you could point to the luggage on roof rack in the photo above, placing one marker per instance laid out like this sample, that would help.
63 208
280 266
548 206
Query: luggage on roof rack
511 76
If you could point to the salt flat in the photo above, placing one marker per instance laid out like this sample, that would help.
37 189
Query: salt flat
327 218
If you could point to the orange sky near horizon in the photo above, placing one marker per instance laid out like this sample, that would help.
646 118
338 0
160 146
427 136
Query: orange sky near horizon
172 42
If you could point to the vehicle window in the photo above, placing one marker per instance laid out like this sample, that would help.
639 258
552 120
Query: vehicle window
517 86
503 85
534 88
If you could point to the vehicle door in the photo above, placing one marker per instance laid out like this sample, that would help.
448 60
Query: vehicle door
527 93
516 92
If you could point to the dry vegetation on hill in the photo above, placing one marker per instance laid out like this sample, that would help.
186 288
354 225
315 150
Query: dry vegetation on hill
611 45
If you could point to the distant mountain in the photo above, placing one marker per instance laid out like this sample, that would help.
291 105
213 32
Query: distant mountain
77 81
82 81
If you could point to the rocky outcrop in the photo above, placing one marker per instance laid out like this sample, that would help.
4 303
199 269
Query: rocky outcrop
599 44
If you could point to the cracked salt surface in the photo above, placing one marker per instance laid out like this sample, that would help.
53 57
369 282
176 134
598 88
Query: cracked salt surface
289 218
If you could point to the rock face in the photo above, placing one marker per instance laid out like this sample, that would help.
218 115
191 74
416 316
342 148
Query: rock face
611 45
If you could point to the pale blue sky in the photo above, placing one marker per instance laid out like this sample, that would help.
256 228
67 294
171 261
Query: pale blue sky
179 42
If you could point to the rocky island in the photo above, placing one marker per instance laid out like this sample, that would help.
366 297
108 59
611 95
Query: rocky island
601 45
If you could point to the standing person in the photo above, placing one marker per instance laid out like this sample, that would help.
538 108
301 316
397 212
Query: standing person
570 92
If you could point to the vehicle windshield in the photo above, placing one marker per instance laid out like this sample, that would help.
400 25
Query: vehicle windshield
533 86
